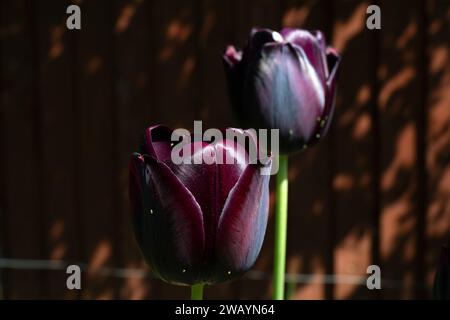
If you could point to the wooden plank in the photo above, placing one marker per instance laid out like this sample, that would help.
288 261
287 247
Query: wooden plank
21 207
399 102
96 151
437 135
310 205
215 33
134 84
354 149
60 146
175 35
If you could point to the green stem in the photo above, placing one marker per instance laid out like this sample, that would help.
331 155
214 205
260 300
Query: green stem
280 229
197 292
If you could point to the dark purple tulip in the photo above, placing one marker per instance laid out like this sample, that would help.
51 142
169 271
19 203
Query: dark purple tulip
197 223
284 81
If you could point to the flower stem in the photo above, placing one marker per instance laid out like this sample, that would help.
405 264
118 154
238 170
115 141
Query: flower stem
197 292
280 229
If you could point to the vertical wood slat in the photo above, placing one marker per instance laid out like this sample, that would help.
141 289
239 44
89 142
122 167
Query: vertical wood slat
20 152
376 152
59 140
421 290
94 124
214 35
354 208
399 100
437 135
134 82
175 35
310 219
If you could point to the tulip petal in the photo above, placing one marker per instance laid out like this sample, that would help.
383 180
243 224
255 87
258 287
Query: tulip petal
242 224
243 144
323 125
171 223
333 61
320 39
333 65
136 180
312 44
211 183
157 142
260 37
285 93
232 56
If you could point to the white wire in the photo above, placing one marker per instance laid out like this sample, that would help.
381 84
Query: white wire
302 278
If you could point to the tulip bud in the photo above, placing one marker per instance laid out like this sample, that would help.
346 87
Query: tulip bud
284 81
197 223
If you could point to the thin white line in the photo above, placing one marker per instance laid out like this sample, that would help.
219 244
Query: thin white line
302 278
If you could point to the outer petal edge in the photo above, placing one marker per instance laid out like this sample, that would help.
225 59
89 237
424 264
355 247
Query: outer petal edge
243 223
173 235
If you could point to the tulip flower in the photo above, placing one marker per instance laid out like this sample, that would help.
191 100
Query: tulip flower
441 289
197 223
284 81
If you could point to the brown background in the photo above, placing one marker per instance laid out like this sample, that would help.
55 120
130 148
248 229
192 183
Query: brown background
74 103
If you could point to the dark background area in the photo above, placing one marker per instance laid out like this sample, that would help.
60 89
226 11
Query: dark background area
74 104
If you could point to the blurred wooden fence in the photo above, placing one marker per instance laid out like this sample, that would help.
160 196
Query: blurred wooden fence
74 103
